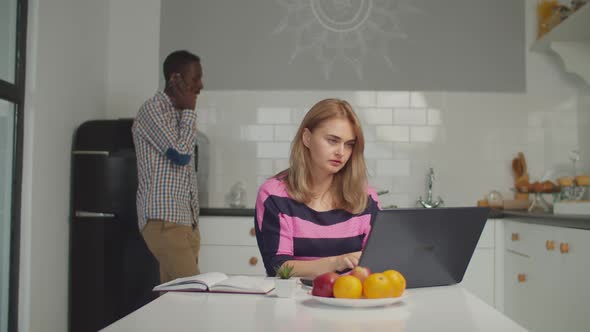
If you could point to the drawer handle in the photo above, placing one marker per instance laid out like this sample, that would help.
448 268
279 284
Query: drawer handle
521 277
515 237
252 232
564 248
253 261
550 245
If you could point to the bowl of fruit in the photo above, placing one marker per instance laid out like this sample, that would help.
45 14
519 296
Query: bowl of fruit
360 288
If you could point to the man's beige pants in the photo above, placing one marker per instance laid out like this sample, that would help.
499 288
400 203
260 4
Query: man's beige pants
175 246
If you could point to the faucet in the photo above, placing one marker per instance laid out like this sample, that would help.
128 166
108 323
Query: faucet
429 203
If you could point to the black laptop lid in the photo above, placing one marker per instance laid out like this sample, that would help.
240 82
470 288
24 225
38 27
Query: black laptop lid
430 247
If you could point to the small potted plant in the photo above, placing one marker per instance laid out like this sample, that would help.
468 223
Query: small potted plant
285 286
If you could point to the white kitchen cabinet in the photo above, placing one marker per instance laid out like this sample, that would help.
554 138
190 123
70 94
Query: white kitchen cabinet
228 245
546 271
480 275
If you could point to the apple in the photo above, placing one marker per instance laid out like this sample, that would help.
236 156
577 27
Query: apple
324 283
360 272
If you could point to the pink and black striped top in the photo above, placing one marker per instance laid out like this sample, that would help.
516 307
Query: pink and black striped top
289 230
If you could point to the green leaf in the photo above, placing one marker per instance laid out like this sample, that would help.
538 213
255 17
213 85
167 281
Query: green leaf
285 271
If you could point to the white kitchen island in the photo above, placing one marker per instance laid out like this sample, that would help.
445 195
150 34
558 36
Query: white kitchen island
450 308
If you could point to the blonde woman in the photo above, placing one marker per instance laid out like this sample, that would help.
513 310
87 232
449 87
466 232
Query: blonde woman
316 215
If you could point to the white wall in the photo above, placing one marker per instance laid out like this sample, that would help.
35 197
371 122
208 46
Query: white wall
133 55
66 80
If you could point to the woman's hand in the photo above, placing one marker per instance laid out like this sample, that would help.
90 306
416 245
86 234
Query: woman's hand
346 261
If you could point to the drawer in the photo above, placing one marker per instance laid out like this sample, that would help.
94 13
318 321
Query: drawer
243 260
523 238
238 231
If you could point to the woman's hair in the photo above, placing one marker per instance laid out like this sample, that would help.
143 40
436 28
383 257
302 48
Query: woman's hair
349 187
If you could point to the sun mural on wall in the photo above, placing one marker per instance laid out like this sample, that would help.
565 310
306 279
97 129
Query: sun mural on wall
344 31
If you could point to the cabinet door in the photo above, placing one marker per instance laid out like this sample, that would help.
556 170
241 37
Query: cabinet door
232 231
547 266
573 302
479 277
521 286
242 260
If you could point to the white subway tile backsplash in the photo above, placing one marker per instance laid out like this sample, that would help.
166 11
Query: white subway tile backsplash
272 150
535 120
409 116
434 117
297 115
265 166
257 133
280 165
206 115
393 133
379 150
424 134
371 167
417 99
379 116
393 99
364 99
405 133
393 167
284 133
273 115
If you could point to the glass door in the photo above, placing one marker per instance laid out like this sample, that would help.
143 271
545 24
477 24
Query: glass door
6 176
13 14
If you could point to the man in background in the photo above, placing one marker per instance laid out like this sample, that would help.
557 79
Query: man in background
164 134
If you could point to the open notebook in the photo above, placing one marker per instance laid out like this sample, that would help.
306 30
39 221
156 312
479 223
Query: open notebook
218 282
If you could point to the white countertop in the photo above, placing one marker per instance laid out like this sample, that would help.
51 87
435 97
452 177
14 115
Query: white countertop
450 308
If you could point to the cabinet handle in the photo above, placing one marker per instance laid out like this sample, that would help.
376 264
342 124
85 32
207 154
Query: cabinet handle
564 248
515 237
550 245
521 277
252 232
253 261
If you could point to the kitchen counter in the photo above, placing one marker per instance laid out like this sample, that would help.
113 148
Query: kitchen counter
569 221
231 212
449 308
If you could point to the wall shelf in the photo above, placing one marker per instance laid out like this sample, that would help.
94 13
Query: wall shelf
571 41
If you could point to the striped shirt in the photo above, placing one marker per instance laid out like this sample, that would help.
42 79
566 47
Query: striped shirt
165 139
289 230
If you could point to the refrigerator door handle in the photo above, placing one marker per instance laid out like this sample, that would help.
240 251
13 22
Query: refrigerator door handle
91 152
86 214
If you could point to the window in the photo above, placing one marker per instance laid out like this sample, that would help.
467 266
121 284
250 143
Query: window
13 24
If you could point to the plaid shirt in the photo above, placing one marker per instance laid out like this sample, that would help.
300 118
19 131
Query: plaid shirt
165 139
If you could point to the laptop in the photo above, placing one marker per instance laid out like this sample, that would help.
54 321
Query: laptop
430 247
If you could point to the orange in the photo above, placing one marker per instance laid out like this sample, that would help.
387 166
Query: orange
377 286
348 287
398 281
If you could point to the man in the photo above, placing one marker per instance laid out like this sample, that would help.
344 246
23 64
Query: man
164 133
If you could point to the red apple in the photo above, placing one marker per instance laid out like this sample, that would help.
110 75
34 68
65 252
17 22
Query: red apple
360 272
324 283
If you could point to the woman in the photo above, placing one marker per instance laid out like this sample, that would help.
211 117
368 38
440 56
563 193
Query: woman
317 214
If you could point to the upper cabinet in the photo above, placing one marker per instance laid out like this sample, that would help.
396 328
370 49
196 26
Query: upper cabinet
571 41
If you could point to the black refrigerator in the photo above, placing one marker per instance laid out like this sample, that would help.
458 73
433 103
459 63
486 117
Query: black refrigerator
112 271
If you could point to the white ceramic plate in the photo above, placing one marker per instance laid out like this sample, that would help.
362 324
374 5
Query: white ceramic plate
359 302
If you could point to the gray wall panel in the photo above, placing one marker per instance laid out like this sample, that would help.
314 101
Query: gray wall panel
451 45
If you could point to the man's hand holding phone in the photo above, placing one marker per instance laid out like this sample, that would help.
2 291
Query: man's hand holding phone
183 97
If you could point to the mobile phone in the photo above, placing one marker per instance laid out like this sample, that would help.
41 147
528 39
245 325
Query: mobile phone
307 282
